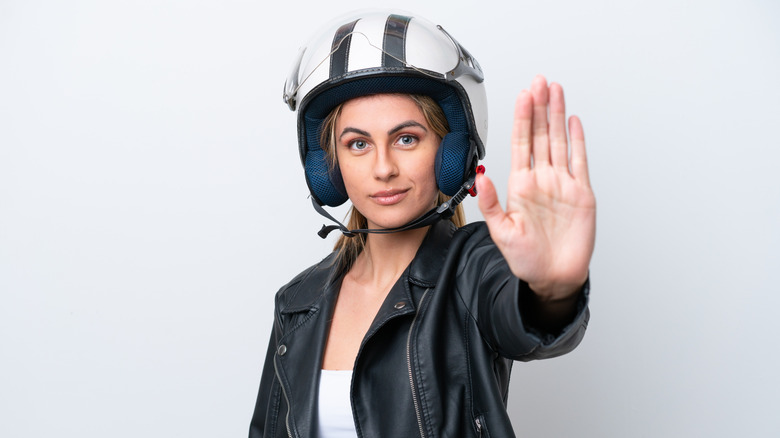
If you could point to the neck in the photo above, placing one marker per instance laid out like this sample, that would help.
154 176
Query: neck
386 256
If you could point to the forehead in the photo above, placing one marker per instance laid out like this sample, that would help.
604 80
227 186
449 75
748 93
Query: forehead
380 108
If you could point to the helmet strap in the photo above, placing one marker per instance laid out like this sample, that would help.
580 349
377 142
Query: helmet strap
443 211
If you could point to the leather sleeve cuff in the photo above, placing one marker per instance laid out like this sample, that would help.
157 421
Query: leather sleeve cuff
515 338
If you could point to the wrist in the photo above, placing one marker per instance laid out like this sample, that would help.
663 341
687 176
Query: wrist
550 311
551 292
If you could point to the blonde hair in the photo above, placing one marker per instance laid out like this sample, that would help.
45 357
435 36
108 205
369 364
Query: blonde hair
350 247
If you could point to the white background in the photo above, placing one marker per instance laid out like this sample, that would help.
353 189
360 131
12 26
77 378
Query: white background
152 202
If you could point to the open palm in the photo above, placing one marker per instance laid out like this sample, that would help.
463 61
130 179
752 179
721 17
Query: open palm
547 231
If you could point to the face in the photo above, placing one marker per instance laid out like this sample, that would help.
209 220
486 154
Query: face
386 153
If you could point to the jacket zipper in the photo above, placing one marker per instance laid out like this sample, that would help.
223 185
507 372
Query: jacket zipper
409 366
479 426
287 400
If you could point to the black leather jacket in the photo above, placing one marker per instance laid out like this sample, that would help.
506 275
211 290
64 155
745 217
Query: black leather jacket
435 361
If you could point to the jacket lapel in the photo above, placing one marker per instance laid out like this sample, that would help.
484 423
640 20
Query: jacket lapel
298 360
427 264
423 271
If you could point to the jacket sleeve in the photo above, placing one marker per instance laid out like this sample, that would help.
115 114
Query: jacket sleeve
514 338
500 312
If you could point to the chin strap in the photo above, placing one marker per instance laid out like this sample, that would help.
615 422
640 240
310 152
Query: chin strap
443 211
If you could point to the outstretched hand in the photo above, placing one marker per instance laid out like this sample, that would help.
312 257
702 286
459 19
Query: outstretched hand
547 232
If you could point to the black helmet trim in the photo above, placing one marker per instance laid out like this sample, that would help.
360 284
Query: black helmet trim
340 50
394 43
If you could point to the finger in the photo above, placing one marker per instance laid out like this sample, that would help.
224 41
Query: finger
579 159
541 145
559 147
488 201
521 131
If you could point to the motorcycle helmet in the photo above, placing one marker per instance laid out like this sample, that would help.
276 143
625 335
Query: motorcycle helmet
372 52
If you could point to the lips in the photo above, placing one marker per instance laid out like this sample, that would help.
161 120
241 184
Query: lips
389 197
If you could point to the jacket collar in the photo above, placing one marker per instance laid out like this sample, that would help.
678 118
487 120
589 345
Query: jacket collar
423 270
426 265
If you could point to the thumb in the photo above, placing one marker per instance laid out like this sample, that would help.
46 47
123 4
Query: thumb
488 201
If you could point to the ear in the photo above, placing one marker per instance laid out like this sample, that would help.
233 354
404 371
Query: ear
452 162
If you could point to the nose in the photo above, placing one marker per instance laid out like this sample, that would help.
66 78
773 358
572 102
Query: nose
385 165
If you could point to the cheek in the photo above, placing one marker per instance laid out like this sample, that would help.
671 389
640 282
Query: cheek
350 173
426 176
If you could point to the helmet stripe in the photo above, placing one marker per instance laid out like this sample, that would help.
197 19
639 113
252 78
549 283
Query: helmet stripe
394 44
340 49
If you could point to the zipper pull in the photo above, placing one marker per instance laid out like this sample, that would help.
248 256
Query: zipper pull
479 426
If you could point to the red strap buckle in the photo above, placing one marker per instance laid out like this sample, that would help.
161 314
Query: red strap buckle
473 188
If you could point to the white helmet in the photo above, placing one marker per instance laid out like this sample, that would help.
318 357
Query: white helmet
384 52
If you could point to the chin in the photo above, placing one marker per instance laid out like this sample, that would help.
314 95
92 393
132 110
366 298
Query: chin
386 222
390 219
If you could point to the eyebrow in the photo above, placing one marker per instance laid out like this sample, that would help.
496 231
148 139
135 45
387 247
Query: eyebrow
355 130
397 128
404 125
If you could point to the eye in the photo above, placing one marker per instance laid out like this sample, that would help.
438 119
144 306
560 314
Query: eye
406 140
358 145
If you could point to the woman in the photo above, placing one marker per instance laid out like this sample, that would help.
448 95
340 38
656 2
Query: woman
410 326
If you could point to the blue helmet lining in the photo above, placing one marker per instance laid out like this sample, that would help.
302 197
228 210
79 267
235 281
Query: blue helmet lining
454 155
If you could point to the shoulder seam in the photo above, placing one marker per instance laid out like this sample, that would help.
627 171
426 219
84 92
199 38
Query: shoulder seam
290 290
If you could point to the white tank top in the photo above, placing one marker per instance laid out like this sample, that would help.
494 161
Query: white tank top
334 407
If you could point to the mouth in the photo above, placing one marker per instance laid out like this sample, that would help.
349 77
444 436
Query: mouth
389 197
